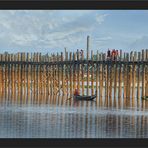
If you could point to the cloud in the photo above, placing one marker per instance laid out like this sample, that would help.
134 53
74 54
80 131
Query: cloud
100 18
34 29
103 39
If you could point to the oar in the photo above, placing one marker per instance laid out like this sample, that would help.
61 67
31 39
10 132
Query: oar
69 98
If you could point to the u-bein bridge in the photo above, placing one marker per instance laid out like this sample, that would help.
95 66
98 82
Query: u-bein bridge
54 75
119 82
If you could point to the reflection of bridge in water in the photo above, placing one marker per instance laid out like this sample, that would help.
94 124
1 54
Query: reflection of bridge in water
117 82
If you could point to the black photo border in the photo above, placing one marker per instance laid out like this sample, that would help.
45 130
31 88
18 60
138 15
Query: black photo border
71 4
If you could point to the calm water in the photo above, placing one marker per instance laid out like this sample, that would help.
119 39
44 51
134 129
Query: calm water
77 120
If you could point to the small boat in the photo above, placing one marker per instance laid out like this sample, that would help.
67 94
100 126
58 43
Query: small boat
145 98
85 98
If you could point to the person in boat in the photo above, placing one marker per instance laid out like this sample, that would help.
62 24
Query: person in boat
76 92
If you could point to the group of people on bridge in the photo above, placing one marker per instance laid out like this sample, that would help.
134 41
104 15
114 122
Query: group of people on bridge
112 55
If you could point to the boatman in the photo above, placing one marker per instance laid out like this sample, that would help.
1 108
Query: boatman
76 92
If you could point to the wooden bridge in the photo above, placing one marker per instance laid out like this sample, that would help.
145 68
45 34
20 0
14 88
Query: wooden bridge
55 74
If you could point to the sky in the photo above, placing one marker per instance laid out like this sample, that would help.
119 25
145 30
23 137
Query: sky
50 31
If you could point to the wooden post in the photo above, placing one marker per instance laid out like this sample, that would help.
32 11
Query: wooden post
74 72
78 70
24 77
124 80
133 79
6 74
143 78
120 81
71 70
111 70
34 71
12 74
88 74
67 76
88 38
9 74
3 73
138 78
146 74
63 86
47 80
101 82
128 81
59 80
97 75
115 83
0 75
83 72
27 73
143 74
37 74
106 81
92 74
31 74
19 74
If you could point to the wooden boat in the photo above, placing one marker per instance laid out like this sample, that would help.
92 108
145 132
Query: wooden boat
85 98
145 98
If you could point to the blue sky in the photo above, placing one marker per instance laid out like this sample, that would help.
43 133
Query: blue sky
50 31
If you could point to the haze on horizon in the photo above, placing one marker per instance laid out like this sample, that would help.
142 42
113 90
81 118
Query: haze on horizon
49 31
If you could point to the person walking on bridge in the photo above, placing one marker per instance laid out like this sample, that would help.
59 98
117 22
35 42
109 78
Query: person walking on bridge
113 54
108 54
